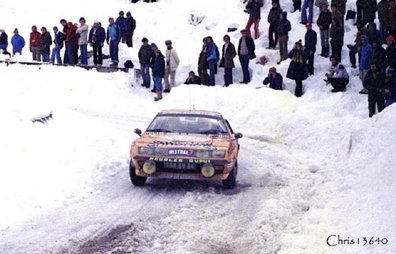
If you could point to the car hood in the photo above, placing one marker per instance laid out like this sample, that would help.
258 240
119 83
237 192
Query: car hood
196 141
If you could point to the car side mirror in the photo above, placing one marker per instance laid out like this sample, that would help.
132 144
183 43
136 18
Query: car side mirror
238 135
138 131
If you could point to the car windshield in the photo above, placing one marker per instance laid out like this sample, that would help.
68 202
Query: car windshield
188 124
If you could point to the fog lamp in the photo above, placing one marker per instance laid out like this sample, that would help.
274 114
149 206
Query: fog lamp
207 170
149 167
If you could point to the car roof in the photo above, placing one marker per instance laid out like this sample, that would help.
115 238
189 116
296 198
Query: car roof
192 112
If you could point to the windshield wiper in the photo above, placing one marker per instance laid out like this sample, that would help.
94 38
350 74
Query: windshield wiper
158 130
214 132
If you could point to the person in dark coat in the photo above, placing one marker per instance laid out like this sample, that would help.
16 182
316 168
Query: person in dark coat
274 79
323 22
59 39
336 38
46 42
379 54
203 64
390 52
227 59
390 87
283 36
365 10
158 73
17 42
298 69
96 38
254 9
145 56
372 33
246 48
383 7
193 79
113 38
374 82
273 20
120 22
4 42
341 6
310 47
337 75
355 48
130 26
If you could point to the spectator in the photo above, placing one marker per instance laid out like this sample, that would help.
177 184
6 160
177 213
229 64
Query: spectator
372 33
307 4
337 76
130 26
172 62
82 35
338 16
96 38
298 69
193 79
35 44
390 87
4 41
17 42
145 56
324 21
383 7
310 47
158 73
46 42
120 22
71 43
392 18
246 48
379 54
63 22
365 10
273 20
364 63
113 38
203 64
390 52
227 59
274 79
283 36
336 38
374 82
58 41
212 56
353 49
254 9
341 6
296 5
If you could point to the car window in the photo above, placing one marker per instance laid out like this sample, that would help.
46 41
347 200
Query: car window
188 124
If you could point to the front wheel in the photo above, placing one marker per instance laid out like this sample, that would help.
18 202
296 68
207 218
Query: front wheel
230 181
136 180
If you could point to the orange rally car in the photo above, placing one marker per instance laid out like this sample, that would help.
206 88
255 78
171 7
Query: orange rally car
186 144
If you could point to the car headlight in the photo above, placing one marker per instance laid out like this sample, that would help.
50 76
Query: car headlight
146 150
218 153
149 167
207 170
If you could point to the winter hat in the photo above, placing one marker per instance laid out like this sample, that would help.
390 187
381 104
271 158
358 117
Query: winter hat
390 38
168 42
96 22
153 46
298 43
308 24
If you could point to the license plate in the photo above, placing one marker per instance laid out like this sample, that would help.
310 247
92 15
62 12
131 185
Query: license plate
180 165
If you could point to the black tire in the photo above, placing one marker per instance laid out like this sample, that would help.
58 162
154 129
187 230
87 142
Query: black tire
136 180
230 181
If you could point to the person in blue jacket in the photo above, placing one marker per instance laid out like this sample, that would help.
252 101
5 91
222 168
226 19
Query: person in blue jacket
274 79
364 63
17 42
113 39
212 57
158 73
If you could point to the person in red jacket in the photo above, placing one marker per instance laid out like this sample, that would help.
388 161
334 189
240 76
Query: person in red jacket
35 44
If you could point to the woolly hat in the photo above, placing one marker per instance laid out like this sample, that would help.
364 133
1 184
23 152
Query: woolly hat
308 24
298 43
153 45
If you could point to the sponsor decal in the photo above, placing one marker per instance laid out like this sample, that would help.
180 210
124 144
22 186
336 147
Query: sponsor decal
177 160
183 152
183 144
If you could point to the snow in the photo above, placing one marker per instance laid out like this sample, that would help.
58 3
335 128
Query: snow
309 167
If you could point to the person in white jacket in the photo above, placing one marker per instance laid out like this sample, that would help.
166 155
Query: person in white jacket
172 62
82 33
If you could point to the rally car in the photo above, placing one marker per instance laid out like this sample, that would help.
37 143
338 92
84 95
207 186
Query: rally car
186 144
